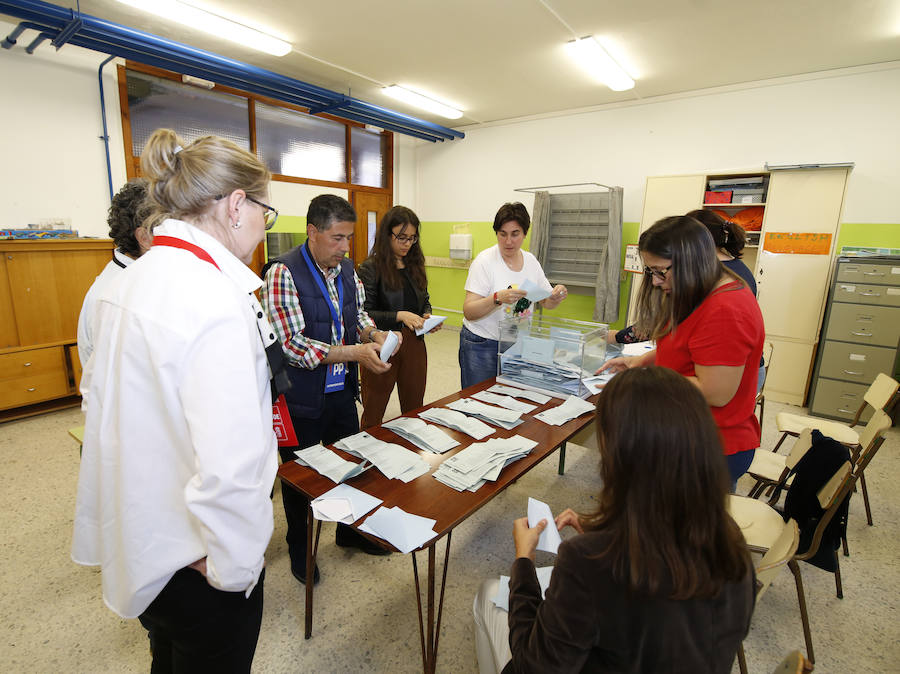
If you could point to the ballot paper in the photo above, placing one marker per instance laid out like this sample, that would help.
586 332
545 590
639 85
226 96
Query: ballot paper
389 346
480 462
596 383
498 416
430 324
403 530
343 504
549 540
501 599
394 461
637 348
571 408
539 398
458 422
429 438
536 292
506 402
327 463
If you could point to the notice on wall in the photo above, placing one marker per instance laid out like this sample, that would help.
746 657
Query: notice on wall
798 243
633 261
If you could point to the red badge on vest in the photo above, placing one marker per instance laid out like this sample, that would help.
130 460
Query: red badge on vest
281 422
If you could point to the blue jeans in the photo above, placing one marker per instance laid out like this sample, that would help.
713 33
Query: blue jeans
738 464
477 358
760 378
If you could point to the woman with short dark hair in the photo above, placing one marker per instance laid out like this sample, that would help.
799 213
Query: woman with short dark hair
396 299
707 326
493 293
659 577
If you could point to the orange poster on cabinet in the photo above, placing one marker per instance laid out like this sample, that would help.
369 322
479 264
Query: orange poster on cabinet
798 243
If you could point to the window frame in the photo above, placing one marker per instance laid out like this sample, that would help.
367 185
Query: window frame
132 162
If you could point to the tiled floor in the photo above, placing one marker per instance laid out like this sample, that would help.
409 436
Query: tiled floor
52 618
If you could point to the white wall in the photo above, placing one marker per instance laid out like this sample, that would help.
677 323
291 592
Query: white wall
851 117
54 163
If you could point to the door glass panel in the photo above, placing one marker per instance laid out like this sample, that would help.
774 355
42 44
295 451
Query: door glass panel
296 144
367 163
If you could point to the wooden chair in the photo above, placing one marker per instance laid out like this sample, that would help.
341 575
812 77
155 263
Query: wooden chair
778 555
761 394
773 470
881 395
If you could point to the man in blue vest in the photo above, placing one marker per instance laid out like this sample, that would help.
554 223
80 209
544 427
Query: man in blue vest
315 304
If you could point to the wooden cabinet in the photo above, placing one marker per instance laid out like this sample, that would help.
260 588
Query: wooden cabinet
791 263
42 286
861 335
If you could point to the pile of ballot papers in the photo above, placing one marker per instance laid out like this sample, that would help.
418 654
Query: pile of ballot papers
572 408
554 376
507 402
534 396
498 416
403 530
482 461
392 460
422 435
458 422
327 463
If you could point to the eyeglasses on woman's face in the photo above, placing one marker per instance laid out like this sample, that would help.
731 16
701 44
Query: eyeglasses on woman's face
270 214
403 239
658 273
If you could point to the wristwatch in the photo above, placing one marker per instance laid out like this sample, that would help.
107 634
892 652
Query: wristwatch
497 300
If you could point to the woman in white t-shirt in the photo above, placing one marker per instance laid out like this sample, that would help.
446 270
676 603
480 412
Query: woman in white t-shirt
493 292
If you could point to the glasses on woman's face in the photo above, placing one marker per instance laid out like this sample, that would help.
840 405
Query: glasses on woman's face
658 273
270 214
401 239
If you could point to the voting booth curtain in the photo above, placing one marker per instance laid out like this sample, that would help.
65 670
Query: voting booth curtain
577 238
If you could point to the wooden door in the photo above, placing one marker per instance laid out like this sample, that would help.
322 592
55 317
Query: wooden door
370 208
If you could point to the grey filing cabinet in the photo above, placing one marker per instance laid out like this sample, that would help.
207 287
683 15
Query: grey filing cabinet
861 334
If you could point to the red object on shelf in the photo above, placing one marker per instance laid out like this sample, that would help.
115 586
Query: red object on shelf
717 198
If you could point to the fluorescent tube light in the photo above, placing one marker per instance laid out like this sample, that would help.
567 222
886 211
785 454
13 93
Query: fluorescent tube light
213 24
593 59
423 102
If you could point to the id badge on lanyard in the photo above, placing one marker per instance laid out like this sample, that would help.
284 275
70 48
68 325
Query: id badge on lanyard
335 373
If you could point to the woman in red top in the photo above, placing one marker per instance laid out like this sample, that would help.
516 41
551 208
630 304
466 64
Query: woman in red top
707 326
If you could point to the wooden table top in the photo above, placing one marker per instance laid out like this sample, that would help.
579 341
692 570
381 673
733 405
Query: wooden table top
426 496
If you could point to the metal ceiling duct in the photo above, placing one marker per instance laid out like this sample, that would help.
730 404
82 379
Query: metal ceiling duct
66 26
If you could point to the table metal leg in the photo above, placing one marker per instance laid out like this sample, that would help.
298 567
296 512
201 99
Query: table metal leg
562 459
312 548
430 634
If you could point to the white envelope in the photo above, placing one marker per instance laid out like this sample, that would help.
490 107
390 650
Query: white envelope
389 346
550 539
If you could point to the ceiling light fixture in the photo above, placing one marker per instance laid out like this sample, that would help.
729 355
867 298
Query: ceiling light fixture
593 59
214 24
424 102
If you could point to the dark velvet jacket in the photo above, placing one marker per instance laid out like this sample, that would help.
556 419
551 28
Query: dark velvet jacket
590 623
383 303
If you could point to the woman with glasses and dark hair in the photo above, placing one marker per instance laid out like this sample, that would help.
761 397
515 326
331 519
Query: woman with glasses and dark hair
179 453
707 326
493 292
658 577
396 299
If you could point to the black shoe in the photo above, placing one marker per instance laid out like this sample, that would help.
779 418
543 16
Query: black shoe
300 574
349 538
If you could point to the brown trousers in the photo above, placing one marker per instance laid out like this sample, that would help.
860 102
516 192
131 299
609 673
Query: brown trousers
409 367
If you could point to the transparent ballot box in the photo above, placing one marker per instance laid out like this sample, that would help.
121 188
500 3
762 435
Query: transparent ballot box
552 355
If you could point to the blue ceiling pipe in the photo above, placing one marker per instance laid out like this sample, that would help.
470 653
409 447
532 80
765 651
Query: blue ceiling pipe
100 35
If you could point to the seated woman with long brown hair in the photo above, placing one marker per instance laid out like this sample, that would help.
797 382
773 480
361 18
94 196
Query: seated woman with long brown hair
658 578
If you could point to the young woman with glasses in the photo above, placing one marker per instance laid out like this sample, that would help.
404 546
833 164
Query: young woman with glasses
658 577
492 293
707 326
396 299
179 454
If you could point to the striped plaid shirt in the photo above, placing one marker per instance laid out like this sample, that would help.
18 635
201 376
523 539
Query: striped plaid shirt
282 303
